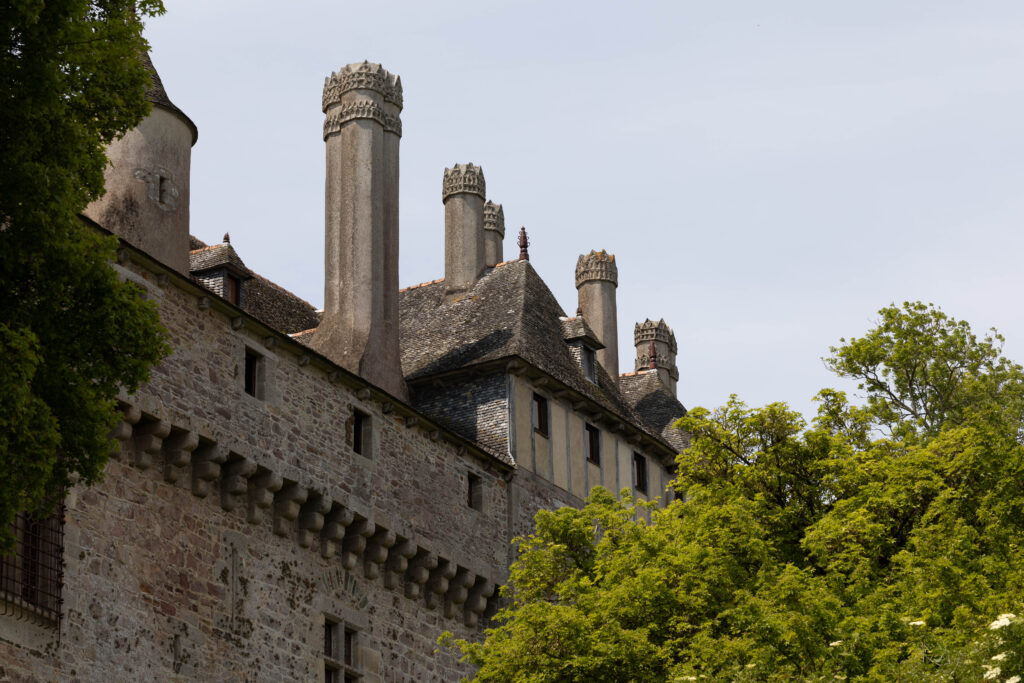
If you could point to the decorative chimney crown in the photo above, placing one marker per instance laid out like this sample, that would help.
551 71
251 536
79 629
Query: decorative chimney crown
464 178
362 76
494 218
649 331
597 265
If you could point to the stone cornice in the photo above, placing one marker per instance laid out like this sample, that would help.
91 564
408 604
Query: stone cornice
362 76
360 109
597 265
494 218
463 179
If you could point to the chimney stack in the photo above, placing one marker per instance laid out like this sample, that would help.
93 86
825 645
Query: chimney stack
656 350
463 195
359 330
597 277
494 233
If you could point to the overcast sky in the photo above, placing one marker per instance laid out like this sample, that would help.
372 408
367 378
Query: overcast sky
768 174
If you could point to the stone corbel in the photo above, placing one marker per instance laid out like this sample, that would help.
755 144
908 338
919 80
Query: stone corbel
376 552
333 532
261 489
418 573
476 602
354 544
437 584
311 518
206 462
149 439
398 562
122 431
178 453
287 504
458 591
235 481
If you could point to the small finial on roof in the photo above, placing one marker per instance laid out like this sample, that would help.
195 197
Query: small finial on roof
227 238
524 242
652 361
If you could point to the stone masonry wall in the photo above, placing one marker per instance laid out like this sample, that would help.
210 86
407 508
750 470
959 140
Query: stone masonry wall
231 525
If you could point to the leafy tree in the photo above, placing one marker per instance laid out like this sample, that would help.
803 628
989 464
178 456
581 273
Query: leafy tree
71 333
879 543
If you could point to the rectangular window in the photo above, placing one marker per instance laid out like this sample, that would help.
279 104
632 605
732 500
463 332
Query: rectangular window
475 492
32 575
341 663
540 414
592 444
361 433
640 473
589 364
232 288
253 373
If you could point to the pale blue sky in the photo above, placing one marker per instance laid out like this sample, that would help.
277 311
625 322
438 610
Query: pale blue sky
767 174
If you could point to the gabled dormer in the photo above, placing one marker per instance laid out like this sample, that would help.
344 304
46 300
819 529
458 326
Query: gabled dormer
219 268
583 344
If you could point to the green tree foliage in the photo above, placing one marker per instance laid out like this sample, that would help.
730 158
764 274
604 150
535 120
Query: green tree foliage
71 333
878 543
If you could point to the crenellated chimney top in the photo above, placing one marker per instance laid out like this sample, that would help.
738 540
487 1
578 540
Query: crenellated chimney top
656 350
463 192
494 233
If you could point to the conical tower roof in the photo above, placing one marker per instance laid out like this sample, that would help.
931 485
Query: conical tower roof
156 94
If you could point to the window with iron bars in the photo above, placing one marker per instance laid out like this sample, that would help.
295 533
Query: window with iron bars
32 574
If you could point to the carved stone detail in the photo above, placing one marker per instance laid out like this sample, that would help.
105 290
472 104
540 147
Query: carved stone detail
362 76
463 178
494 217
418 573
437 584
149 439
376 552
331 536
287 503
656 331
235 481
178 453
206 462
354 543
398 562
476 602
597 265
311 517
458 591
361 109
262 488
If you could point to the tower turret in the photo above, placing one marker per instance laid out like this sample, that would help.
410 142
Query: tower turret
656 349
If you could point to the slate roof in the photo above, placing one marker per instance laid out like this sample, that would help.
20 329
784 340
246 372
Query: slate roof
215 256
156 94
644 391
577 328
509 312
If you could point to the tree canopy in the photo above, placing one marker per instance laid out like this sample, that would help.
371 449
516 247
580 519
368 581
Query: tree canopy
71 333
878 543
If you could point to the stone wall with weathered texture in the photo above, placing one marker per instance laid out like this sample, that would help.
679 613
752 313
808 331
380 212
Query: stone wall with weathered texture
231 525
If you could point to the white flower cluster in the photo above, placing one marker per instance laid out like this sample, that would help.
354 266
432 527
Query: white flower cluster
1002 620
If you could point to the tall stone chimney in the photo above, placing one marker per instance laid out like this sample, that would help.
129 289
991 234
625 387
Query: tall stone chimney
658 337
597 277
359 330
463 195
147 181
494 233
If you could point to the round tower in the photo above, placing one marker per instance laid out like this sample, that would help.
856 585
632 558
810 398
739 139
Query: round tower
597 277
463 192
147 181
656 349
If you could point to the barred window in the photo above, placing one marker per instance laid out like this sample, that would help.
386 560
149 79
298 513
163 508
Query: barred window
32 574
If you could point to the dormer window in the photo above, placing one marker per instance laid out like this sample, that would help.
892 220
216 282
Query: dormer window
589 360
232 288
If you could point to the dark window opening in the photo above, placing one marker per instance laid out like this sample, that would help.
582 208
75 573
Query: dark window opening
330 638
232 288
350 645
589 364
475 492
362 432
253 373
31 575
640 473
592 444
540 414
